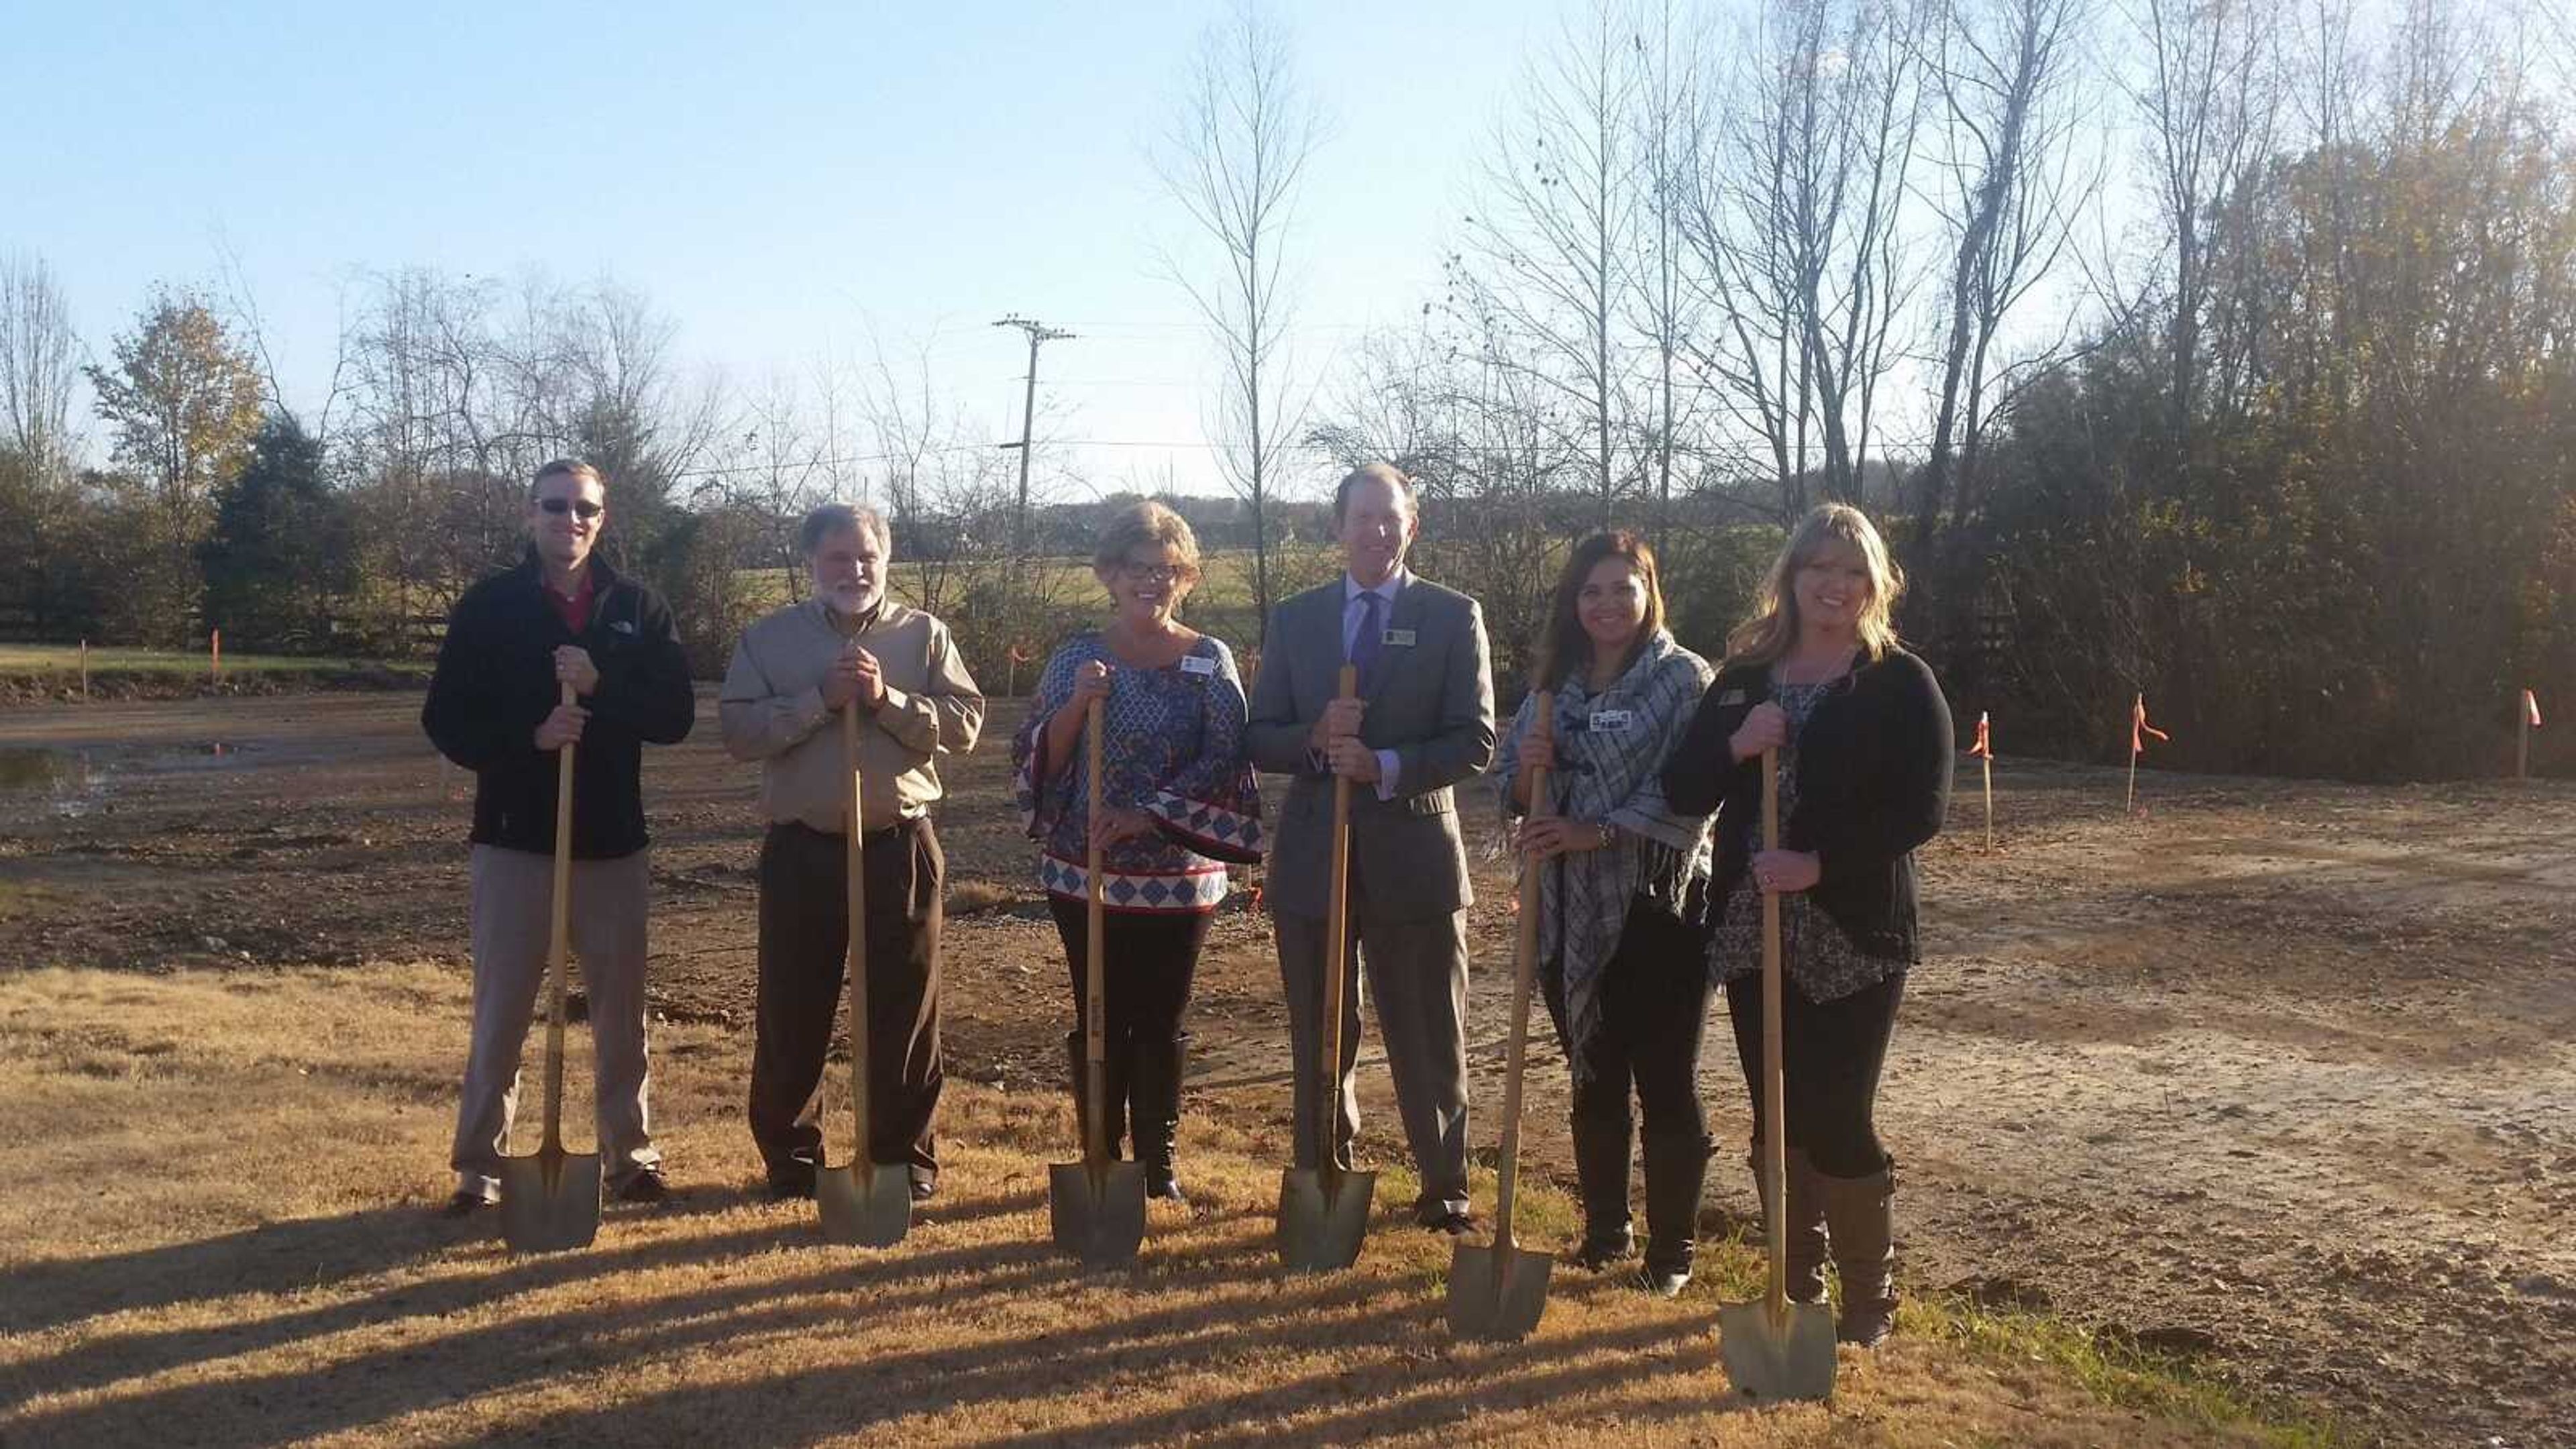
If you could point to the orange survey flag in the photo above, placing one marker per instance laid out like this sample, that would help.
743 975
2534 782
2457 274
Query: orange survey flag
2139 729
1983 749
2531 708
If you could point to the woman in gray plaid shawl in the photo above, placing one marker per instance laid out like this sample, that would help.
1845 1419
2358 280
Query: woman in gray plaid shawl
1623 880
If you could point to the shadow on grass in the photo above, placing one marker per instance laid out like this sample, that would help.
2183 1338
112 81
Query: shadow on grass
473 1356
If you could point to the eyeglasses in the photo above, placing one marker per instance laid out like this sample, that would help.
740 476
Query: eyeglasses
577 507
1153 573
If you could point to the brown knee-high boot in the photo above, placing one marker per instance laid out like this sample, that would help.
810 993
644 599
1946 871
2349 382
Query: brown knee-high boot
1860 1212
1806 1226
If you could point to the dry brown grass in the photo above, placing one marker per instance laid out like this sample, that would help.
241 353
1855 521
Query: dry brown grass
216 1231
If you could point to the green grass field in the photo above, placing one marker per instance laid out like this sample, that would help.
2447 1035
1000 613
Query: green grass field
66 659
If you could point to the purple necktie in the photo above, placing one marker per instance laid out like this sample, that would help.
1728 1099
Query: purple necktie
1365 643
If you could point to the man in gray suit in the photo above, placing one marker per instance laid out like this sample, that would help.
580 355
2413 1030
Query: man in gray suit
1424 721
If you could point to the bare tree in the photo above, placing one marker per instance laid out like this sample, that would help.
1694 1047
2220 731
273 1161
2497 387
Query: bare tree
2001 70
2207 103
1234 158
1553 242
1797 213
39 367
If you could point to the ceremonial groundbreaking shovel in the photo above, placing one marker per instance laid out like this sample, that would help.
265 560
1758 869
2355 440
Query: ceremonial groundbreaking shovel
1323 1211
1499 1291
864 1204
1773 1348
550 1202
1096 1206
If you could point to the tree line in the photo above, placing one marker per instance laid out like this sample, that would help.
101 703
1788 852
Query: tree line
2219 351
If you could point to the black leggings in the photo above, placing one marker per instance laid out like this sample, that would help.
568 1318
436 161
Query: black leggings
1833 1052
1654 1003
1153 954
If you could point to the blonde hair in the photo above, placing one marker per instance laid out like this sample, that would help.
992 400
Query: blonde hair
567 468
1146 522
1772 628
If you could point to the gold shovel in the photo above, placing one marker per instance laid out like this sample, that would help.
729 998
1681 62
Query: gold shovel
1323 1210
550 1201
1773 1348
1096 1207
865 1204
1500 1291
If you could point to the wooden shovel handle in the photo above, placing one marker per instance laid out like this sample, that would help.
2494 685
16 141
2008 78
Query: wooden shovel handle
1775 1141
855 950
559 940
1095 976
1337 935
1524 971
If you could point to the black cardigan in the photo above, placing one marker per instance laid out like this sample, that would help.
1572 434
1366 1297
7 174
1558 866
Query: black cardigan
496 683
1874 764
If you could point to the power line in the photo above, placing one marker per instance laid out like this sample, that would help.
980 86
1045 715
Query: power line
1039 334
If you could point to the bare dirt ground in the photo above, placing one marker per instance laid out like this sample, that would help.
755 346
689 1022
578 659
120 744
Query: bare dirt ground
2278 1075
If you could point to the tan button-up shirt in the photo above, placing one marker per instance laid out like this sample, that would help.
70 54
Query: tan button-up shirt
772 711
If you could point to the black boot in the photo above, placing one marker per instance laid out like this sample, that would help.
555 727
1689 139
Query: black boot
1676 1173
1114 1072
1601 1175
1155 1094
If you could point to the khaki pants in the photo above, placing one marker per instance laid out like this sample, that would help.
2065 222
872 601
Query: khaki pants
512 920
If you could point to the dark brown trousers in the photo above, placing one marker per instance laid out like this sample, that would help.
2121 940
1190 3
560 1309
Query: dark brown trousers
804 914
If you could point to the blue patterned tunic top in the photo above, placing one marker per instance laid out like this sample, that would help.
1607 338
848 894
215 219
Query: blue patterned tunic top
1173 748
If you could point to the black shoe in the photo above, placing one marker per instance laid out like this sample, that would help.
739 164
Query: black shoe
792 1183
464 1204
1455 1224
645 1189
1600 1250
924 1189
1661 1283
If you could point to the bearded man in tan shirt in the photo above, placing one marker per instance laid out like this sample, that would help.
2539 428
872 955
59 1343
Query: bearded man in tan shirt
794 673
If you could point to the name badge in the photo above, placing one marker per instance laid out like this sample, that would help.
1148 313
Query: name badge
1610 720
1732 696
1198 664
1399 638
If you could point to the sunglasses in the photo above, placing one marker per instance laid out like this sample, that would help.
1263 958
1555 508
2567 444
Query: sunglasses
577 507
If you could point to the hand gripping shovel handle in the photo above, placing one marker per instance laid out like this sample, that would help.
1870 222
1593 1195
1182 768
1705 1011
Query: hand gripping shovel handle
559 943
1095 982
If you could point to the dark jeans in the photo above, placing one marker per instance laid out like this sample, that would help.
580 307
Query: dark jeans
804 931
1153 956
1833 1052
1654 1007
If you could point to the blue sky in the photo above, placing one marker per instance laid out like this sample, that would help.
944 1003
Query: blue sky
778 178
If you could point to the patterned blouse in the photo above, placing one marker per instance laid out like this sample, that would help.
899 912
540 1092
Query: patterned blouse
1814 952
1610 747
1172 746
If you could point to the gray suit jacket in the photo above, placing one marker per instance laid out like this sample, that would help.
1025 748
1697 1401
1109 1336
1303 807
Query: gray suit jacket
1432 703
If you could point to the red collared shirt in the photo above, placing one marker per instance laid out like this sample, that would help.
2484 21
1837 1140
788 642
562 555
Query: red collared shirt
575 610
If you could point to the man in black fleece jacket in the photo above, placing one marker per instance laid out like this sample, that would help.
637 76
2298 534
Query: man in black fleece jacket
515 639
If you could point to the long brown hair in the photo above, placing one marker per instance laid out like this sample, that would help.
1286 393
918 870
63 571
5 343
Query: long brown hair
1773 626
1565 645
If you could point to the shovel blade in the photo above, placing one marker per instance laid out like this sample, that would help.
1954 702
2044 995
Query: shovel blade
1097 1212
1777 1356
866 1206
1322 1218
1496 1293
550 1201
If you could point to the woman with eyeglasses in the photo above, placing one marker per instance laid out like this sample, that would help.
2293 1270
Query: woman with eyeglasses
1178 805
1622 878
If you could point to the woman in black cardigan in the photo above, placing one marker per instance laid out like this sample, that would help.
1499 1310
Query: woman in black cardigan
1865 759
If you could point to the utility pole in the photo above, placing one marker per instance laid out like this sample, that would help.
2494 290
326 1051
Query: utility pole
1038 333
